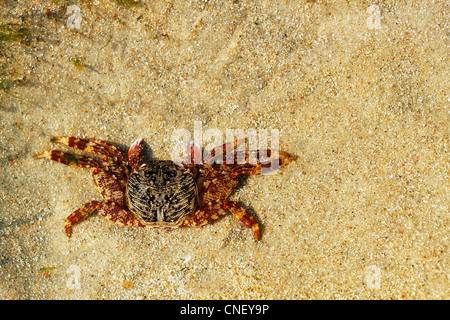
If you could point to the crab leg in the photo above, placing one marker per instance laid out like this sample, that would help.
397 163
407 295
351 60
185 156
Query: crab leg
205 214
115 213
92 145
243 216
109 176
69 159
213 210
96 146
234 152
80 214
107 209
114 208
248 169
109 185
100 147
230 150
108 149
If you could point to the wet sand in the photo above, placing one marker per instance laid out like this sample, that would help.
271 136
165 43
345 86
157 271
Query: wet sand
358 94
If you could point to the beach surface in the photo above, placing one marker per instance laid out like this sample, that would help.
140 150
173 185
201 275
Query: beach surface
357 90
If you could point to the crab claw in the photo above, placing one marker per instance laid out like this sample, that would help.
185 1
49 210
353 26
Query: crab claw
135 153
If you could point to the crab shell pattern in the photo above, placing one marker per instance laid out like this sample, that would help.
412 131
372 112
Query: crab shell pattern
162 193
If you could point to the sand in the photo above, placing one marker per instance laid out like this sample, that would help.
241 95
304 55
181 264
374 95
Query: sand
357 90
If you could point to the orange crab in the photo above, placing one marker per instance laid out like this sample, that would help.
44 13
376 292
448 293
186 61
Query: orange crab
161 193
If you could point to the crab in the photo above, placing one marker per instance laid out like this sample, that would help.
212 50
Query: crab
161 193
